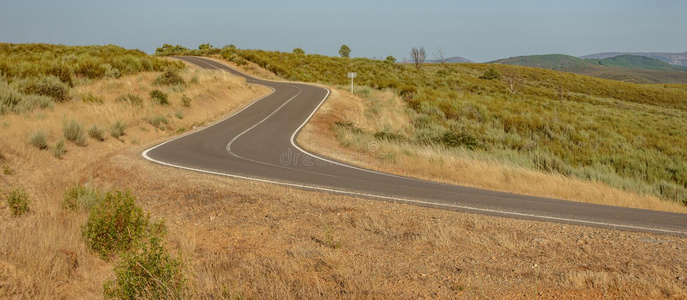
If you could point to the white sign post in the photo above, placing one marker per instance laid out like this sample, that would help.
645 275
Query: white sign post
351 76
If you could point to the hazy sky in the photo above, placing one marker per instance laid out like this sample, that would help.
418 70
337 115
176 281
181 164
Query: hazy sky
478 30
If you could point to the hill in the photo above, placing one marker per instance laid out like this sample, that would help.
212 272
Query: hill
677 59
630 68
559 62
453 60
636 62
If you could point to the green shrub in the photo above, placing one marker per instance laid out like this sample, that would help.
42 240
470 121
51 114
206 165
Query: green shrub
96 133
73 131
491 74
158 121
59 149
117 129
160 97
298 51
80 197
170 77
18 201
50 86
39 140
454 139
149 272
185 101
132 99
179 114
9 98
115 224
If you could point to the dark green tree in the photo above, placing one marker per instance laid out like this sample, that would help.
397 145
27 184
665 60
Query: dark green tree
344 51
390 59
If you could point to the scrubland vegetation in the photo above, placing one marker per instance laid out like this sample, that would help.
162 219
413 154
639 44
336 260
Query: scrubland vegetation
629 136
226 238
57 229
40 75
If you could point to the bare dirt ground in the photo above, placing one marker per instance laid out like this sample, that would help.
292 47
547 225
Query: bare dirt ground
243 239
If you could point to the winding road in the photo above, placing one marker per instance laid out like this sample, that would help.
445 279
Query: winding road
258 143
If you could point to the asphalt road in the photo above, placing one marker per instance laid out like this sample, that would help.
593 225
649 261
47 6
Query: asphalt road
258 143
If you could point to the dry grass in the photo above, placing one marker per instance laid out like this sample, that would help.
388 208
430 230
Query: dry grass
42 255
258 241
387 112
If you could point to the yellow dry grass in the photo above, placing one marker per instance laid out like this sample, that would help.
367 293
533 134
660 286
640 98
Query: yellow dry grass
43 254
251 240
387 112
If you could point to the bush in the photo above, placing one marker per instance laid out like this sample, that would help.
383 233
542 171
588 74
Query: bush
73 131
59 149
158 121
150 272
185 101
80 197
39 140
50 86
18 201
491 74
179 114
453 139
298 51
170 77
96 133
131 99
115 224
117 129
161 97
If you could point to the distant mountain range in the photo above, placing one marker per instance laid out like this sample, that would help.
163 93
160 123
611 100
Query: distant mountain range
678 59
624 67
452 60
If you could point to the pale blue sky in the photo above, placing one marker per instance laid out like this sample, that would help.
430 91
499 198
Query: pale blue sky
478 30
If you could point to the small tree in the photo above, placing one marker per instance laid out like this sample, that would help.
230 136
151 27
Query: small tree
390 59
298 51
440 55
418 56
513 79
344 51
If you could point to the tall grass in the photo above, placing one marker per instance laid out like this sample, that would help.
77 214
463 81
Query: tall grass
627 135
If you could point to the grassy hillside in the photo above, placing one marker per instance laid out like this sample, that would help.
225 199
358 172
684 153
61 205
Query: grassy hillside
635 69
627 135
676 59
558 62
38 75
635 62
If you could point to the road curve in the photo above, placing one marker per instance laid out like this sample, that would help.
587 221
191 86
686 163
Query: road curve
258 143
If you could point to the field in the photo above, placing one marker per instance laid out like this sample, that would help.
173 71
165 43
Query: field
246 240
627 136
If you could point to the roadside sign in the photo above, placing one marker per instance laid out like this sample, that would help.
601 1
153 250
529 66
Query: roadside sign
352 75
